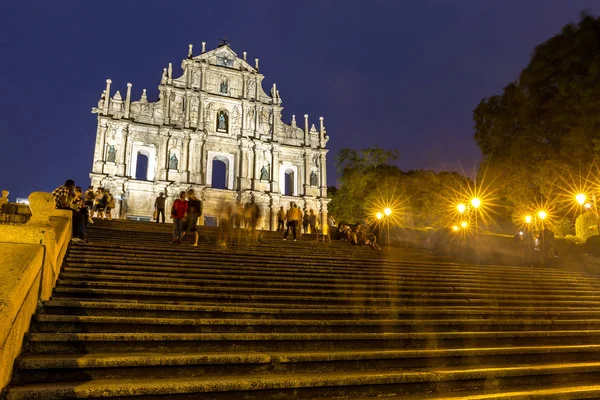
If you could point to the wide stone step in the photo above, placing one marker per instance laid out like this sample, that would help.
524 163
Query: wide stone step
157 310
88 324
396 291
356 287
73 367
217 271
314 385
45 343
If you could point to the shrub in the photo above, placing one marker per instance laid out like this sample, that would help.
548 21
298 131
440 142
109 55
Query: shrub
586 225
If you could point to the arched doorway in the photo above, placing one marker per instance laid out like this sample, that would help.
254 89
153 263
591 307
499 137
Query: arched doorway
141 167
219 174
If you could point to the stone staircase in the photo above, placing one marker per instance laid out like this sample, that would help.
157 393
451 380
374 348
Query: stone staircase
135 317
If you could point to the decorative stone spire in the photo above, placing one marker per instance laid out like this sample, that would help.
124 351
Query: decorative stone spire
313 129
107 96
293 121
203 47
190 50
117 96
128 100
245 54
256 63
170 72
144 98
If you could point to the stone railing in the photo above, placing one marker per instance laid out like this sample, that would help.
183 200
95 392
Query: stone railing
30 258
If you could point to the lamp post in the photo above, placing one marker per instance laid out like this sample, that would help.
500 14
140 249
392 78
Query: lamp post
542 215
476 203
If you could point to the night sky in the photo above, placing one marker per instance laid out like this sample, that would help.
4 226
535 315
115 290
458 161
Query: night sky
399 74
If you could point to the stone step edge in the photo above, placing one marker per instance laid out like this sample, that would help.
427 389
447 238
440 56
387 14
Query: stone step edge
104 388
301 322
248 296
139 359
157 337
283 308
119 276
462 306
413 290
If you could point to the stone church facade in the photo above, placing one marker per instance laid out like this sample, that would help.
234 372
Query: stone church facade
215 112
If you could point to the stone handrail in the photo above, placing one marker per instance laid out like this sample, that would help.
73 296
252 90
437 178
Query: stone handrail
30 258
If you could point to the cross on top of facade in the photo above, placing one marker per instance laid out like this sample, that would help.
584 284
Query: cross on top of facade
224 41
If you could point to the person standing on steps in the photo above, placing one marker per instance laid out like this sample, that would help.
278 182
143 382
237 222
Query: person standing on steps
293 216
305 223
194 212
63 196
159 206
280 220
178 213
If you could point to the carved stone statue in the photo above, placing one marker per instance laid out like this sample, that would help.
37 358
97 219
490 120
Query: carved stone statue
224 86
264 173
251 88
222 121
112 154
173 162
314 180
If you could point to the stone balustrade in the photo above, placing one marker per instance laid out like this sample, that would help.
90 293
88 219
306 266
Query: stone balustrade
30 258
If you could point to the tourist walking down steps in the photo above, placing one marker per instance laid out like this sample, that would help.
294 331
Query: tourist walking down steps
194 211
179 213
294 215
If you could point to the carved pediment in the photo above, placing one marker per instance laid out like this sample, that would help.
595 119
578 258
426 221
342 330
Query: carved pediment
224 56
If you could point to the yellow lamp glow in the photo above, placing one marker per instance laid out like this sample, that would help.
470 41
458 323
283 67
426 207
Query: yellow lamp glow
580 198
455 228
387 211
475 202
461 208
542 215
528 219
587 205
379 215
464 224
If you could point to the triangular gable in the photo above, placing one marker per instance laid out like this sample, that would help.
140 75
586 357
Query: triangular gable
224 56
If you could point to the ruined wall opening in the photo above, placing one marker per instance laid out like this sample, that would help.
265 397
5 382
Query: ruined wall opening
219 174
141 167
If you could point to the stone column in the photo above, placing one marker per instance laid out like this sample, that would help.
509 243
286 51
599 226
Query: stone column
167 105
306 171
107 97
244 86
187 110
275 169
323 170
122 163
128 100
202 161
185 160
321 132
128 157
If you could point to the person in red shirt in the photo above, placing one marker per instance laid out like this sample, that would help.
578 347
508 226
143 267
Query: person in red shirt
178 213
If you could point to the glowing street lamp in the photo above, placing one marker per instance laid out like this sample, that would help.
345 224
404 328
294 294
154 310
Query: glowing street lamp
528 219
387 211
580 198
542 215
587 206
461 208
475 202
379 215
464 224
455 228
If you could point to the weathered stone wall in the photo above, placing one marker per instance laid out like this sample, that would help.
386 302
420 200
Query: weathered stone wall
30 255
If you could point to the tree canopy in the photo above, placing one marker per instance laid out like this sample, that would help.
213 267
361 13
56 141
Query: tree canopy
542 133
369 183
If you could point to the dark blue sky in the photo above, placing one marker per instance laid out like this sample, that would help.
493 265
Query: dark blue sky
398 74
